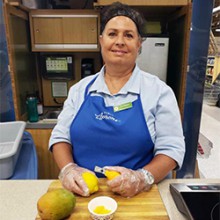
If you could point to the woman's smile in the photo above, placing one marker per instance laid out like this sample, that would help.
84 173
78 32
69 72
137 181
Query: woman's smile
120 42
119 52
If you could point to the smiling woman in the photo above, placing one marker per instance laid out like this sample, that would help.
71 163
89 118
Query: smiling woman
120 43
121 118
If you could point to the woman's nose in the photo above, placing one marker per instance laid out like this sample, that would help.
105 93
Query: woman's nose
120 41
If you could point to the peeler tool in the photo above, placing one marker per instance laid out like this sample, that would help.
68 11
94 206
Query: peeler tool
99 170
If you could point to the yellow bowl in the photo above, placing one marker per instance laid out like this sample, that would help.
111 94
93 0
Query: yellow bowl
105 201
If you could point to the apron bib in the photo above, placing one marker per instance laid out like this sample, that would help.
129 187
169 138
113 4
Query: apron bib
105 136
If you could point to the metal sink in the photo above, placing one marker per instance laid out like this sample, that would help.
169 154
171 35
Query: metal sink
53 114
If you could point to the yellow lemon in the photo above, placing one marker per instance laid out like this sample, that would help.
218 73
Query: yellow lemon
91 181
111 174
101 210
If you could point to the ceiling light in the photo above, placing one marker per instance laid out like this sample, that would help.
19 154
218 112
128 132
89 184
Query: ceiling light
216 9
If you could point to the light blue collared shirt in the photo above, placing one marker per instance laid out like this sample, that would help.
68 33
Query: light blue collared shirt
159 105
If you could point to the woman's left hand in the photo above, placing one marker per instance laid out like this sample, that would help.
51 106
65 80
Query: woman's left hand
129 183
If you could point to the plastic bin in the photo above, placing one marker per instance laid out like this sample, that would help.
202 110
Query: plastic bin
27 163
10 145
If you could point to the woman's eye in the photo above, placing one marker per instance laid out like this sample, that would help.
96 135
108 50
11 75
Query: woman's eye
129 35
111 34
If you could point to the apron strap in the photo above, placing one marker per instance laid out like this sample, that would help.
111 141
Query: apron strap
88 86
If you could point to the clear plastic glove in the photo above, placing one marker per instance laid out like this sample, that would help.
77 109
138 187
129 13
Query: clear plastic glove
129 183
72 180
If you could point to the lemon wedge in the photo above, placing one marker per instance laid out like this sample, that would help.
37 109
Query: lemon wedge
111 174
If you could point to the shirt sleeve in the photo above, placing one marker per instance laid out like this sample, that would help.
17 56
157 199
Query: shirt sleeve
169 139
61 132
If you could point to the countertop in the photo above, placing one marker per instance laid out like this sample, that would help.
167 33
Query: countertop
18 198
44 122
41 124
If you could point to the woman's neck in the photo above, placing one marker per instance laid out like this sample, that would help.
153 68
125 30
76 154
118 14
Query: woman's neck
116 79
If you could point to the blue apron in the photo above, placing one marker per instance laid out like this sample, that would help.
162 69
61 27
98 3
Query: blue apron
104 137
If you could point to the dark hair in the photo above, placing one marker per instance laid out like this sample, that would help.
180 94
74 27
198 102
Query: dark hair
119 9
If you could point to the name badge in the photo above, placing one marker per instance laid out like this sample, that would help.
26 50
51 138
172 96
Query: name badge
123 107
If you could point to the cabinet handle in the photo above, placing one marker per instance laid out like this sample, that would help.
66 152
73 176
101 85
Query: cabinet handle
37 30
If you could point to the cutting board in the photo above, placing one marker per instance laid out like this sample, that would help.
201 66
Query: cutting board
144 206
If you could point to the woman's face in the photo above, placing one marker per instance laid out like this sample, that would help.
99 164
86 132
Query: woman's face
120 42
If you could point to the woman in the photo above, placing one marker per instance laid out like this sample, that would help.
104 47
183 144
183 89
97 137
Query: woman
121 117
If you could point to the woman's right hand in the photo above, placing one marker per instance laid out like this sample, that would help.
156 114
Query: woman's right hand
71 179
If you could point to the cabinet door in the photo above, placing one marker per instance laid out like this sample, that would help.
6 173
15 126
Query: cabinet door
64 30
47 30
21 59
47 168
80 30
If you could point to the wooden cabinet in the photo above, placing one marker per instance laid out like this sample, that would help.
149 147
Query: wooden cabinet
47 168
21 60
47 30
64 30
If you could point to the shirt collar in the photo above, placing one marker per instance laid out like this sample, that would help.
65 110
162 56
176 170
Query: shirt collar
132 86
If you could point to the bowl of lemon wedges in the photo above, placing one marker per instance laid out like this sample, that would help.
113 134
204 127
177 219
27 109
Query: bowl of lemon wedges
102 208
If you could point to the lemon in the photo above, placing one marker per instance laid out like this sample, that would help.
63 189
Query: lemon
91 181
111 174
101 210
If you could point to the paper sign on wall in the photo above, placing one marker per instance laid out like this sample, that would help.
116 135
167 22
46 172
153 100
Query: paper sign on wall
59 89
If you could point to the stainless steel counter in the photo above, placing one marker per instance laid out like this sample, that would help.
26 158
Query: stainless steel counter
41 124
47 120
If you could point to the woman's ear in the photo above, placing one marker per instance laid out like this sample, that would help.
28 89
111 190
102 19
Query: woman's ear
140 45
100 39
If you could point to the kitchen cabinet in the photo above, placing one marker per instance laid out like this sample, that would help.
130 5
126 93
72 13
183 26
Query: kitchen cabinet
64 30
47 168
21 60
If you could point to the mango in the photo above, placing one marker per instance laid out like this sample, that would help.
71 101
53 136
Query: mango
56 204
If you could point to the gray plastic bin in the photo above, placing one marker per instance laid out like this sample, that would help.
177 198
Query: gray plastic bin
10 145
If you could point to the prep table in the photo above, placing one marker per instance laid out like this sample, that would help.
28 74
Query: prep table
19 197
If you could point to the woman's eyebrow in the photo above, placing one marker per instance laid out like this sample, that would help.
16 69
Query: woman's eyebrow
125 30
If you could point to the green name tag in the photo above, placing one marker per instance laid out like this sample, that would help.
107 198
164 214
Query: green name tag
123 107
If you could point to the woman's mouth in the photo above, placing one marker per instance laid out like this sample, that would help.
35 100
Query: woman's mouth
119 52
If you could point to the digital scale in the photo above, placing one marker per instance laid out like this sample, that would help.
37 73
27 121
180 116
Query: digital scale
197 201
57 66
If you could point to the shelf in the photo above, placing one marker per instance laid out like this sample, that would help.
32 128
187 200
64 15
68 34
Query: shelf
146 2
19 5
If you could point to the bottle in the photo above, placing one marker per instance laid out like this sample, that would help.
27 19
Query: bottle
39 104
39 108
32 109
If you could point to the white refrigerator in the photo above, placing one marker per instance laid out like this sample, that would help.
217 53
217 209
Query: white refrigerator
154 56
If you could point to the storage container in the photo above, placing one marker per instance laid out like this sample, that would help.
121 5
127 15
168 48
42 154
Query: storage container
10 145
34 4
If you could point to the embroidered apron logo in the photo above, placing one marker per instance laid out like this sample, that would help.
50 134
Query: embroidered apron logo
106 116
